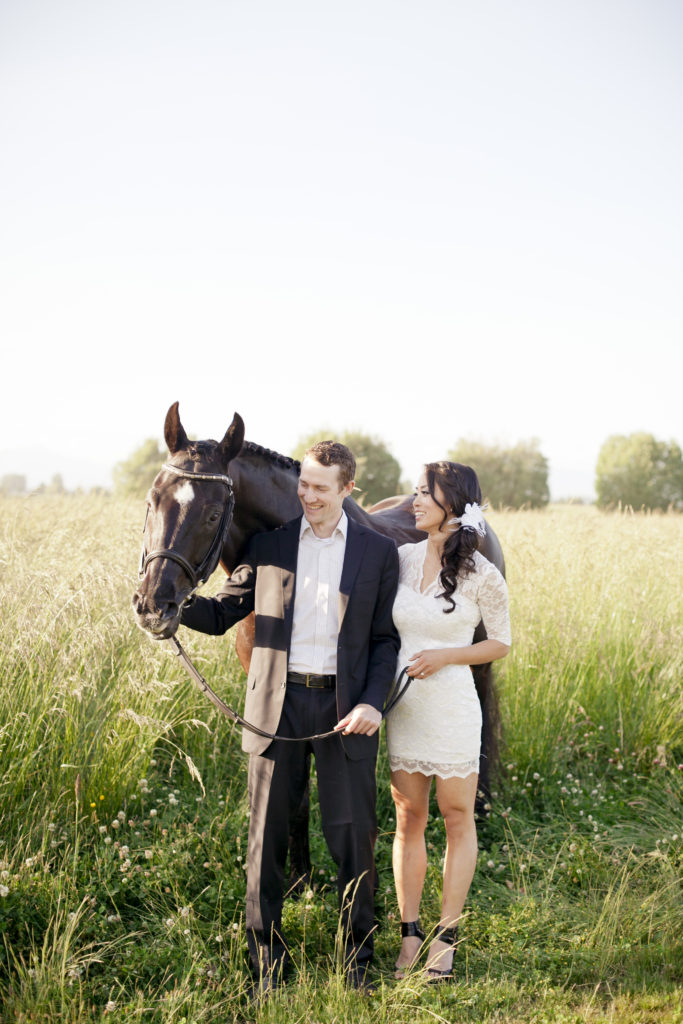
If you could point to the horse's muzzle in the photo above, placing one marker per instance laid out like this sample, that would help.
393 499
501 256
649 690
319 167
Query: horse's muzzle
160 619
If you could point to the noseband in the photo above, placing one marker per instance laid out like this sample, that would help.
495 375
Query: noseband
210 560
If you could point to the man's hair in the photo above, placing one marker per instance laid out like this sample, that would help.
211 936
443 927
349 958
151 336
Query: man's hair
333 453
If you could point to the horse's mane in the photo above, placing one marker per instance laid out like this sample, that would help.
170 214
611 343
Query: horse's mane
251 448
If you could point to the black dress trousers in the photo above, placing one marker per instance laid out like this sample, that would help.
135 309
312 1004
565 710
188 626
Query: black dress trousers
346 791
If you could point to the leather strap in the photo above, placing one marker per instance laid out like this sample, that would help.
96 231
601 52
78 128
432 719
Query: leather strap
395 696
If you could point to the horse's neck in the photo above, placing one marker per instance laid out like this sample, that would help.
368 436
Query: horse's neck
265 497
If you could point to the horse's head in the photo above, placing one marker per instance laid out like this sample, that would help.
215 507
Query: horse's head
189 508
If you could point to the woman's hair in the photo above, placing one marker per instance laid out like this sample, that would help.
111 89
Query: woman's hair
459 486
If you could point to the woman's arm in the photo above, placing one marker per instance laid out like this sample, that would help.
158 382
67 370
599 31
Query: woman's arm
425 663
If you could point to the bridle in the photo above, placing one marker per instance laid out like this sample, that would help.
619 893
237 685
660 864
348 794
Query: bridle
210 561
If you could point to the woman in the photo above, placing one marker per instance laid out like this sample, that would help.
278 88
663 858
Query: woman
446 586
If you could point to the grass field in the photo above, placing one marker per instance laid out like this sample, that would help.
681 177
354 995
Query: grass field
123 804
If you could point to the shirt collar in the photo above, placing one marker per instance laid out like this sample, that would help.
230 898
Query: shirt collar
340 529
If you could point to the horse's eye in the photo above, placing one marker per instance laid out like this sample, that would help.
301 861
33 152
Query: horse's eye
214 517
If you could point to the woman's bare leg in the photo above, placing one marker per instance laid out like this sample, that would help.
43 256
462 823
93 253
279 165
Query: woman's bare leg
456 802
410 791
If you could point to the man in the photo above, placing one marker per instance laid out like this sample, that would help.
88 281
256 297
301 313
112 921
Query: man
322 588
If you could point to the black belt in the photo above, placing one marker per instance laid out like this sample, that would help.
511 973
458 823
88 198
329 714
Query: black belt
310 681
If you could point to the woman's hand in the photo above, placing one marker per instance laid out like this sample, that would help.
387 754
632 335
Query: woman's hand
426 663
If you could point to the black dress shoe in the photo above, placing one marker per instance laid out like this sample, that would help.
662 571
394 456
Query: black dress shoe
357 978
268 973
265 986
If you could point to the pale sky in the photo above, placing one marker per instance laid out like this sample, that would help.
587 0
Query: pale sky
424 220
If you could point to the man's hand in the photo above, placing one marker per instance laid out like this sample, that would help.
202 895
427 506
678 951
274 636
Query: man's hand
363 719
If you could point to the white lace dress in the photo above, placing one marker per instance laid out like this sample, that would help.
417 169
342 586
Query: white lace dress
435 728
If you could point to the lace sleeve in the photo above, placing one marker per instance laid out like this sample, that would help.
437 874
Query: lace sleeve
493 603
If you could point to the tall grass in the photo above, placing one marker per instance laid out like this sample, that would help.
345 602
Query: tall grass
123 795
597 609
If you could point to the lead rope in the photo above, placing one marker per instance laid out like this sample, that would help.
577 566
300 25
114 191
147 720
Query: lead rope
395 696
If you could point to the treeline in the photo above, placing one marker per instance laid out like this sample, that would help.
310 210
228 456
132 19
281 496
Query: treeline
634 470
15 485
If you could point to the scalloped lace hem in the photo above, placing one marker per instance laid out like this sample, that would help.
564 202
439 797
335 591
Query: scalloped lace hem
444 771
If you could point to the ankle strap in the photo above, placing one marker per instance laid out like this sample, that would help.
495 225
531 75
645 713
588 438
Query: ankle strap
448 935
411 928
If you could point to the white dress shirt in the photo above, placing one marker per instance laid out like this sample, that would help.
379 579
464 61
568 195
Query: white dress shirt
316 600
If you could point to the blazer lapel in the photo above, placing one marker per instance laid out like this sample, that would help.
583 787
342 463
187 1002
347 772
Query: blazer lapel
289 549
356 541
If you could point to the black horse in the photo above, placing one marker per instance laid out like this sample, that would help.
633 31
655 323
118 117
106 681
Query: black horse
188 525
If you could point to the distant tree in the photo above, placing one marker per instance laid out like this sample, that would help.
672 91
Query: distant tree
13 483
511 477
640 471
133 477
378 473
56 485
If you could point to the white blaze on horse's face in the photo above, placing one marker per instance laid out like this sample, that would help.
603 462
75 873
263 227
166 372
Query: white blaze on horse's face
184 494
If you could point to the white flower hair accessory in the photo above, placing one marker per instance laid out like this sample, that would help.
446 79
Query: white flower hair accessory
471 519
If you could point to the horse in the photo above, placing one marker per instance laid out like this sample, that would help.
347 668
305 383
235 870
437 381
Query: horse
184 508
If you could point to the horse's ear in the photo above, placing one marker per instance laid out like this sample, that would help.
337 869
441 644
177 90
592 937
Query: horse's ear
233 440
174 433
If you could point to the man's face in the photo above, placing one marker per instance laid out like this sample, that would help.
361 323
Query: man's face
321 496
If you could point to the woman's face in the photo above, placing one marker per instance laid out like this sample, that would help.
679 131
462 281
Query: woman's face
428 515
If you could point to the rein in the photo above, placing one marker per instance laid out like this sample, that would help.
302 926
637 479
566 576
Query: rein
203 571
395 696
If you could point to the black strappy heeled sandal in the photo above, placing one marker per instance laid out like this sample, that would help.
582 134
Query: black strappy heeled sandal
434 975
409 930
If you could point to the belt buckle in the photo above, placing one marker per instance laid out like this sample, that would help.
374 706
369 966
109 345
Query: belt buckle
309 685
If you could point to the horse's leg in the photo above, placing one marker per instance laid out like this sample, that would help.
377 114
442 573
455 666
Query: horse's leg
488 761
300 870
